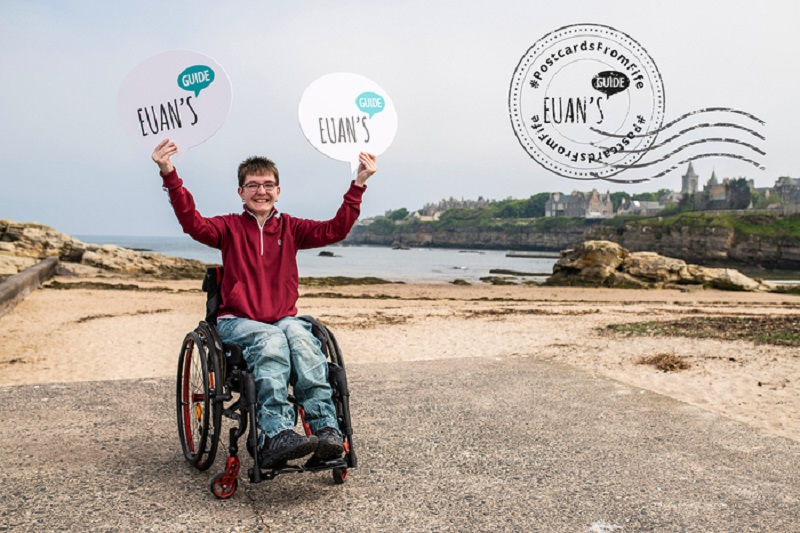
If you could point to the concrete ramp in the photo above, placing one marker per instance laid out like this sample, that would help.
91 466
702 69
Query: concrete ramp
454 445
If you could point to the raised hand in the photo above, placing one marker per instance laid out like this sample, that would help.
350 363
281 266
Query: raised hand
162 155
368 165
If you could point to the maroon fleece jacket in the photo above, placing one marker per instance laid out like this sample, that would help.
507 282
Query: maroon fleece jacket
261 279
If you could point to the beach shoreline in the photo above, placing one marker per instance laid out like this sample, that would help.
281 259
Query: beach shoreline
90 334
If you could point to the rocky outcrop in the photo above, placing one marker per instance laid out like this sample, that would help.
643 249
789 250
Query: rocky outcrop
705 244
607 264
24 244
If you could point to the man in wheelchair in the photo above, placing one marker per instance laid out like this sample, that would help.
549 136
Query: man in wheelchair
259 293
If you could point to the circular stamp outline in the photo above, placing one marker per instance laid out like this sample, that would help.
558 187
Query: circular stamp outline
652 123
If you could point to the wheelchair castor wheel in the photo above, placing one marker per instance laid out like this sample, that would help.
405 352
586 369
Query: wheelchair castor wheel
339 475
224 484
221 486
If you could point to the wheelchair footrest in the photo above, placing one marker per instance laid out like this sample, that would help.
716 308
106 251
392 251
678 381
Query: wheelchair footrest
312 465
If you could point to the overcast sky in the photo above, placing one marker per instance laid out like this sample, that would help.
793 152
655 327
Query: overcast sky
447 66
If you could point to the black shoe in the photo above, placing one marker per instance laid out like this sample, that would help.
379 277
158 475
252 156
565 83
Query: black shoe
330 445
285 446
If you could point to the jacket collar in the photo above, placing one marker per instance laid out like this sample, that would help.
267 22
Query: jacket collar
274 213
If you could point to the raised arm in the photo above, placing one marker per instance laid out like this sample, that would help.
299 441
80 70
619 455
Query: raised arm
313 234
208 231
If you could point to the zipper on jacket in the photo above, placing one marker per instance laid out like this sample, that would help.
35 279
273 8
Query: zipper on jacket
261 232
261 228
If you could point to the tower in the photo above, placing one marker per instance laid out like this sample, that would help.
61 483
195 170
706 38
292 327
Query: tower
689 181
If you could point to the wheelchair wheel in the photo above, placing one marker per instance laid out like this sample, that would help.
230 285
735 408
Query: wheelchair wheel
199 416
223 488
339 475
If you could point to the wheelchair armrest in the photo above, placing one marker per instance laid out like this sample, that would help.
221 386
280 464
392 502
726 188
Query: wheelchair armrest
234 355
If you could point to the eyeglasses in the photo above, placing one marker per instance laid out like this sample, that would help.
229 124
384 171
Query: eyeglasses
253 187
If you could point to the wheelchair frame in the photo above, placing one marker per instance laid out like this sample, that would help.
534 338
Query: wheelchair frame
211 373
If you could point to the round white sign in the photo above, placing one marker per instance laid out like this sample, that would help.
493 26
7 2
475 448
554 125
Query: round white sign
343 114
179 94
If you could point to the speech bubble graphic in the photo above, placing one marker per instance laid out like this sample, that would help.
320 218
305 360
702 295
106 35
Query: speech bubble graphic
610 82
196 78
370 103
342 114
151 106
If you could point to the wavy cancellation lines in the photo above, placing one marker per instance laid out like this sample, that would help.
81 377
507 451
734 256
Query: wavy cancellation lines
730 133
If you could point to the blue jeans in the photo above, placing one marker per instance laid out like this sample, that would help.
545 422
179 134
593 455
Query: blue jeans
278 355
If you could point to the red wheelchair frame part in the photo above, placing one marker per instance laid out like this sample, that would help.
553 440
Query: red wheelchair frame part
224 485
306 427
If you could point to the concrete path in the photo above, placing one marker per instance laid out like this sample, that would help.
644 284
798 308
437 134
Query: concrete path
455 445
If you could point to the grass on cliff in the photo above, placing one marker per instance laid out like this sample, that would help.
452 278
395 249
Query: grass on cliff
481 219
761 224
782 330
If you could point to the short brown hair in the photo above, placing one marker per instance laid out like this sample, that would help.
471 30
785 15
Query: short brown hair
257 166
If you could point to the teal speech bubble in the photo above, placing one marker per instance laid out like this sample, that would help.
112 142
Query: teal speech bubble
370 103
195 78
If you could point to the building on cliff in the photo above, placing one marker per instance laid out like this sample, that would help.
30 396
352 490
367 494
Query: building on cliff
689 181
716 193
788 189
430 210
579 205
741 193
640 208
424 218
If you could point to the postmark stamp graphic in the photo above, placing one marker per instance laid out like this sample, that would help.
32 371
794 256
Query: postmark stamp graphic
585 101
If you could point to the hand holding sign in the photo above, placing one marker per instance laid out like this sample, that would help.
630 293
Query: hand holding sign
368 165
343 115
162 155
179 94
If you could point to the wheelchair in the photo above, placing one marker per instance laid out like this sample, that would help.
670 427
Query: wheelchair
214 383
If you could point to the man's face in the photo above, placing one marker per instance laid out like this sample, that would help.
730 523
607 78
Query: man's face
259 193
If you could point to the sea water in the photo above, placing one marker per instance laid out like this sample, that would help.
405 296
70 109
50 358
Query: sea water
416 265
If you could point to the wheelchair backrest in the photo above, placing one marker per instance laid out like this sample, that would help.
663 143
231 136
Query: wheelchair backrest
211 285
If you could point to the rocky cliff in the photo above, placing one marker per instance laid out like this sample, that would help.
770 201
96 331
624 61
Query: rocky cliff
23 244
704 238
504 238
705 244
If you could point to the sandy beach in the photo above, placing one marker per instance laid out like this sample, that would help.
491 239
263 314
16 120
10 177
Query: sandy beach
107 333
